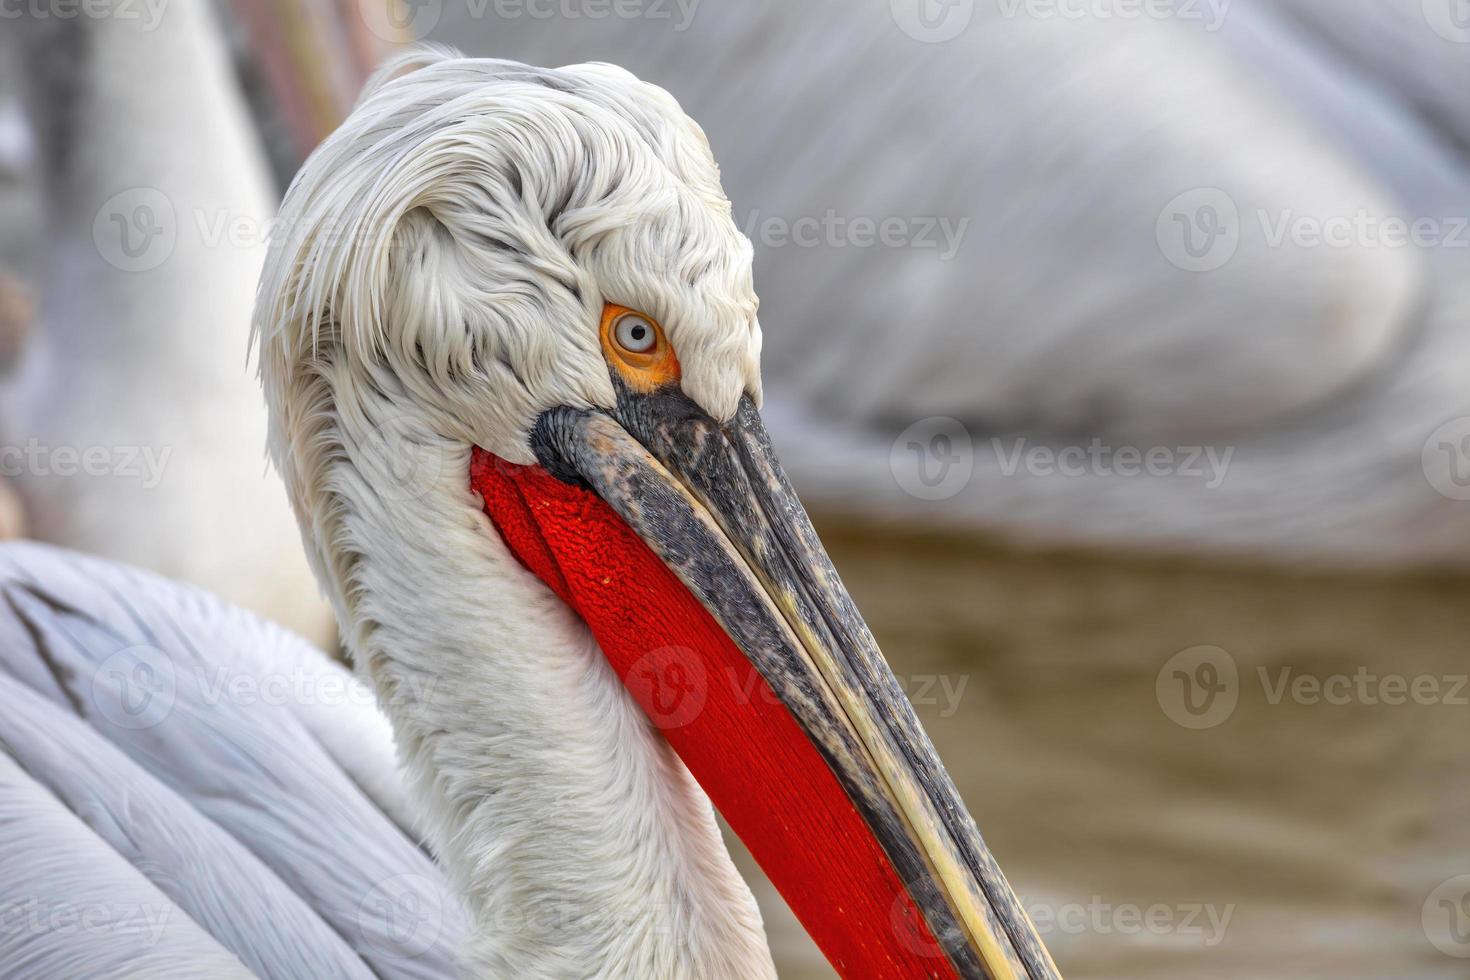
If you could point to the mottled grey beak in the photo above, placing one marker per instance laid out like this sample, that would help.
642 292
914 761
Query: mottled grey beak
712 501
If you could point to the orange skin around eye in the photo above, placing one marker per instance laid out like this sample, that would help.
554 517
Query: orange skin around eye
644 371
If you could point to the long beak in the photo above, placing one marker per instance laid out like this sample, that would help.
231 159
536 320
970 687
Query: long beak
712 502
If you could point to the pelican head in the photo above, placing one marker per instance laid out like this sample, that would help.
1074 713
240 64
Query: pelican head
508 338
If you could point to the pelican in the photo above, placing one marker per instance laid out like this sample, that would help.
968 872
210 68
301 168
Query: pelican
508 340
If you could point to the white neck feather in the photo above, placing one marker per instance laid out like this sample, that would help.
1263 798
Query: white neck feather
579 842
444 258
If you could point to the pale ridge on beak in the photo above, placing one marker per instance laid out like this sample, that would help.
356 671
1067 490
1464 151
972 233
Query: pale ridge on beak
714 504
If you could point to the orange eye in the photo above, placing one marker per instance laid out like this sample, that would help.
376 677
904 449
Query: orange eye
635 345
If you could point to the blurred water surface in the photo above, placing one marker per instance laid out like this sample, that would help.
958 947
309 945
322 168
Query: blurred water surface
1292 839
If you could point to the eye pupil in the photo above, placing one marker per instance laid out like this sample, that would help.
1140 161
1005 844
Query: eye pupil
635 334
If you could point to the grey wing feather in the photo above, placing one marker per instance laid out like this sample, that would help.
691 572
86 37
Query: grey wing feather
250 762
74 907
206 874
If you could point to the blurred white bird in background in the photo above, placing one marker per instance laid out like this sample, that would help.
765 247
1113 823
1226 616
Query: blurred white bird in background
131 422
1041 174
